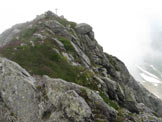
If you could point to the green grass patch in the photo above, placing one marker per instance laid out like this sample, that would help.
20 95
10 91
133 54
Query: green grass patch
65 22
67 44
27 33
69 47
43 60
109 102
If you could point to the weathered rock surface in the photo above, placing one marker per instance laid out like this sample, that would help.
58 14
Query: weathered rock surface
24 100
17 91
77 103
97 87
83 28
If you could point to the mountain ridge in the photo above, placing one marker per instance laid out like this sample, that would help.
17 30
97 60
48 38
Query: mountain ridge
77 71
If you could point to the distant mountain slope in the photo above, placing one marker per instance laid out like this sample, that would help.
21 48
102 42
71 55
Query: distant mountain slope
151 78
81 82
151 63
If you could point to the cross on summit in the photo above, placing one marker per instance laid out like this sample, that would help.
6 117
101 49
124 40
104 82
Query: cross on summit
56 10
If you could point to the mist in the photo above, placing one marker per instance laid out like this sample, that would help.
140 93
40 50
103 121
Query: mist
129 30
147 50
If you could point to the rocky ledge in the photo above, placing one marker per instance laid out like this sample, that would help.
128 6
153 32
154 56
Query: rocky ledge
67 77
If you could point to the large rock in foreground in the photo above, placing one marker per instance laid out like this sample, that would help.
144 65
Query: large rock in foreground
51 45
17 92
22 99
77 103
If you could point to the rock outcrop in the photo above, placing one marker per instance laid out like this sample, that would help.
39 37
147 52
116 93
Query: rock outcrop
17 91
25 100
72 79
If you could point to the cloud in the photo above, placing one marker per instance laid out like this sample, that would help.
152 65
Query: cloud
124 28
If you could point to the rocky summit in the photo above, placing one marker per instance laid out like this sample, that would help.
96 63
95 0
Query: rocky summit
54 70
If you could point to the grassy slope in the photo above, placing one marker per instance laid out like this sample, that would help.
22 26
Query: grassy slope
42 59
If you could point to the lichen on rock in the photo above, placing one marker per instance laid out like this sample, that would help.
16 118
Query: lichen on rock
72 80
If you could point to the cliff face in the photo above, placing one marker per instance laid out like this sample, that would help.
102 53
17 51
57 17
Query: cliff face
72 80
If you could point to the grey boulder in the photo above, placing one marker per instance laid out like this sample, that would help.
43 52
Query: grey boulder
83 28
17 91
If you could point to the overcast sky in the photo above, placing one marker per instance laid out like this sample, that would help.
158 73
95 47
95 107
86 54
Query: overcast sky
122 27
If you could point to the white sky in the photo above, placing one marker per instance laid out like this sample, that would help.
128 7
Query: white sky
122 27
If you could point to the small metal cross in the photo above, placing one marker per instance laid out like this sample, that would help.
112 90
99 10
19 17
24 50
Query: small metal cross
56 10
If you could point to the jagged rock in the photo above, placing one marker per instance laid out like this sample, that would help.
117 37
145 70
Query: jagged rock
83 28
19 94
85 59
17 91
150 101
112 87
57 28
49 14
92 44
144 96
71 94
68 57
57 89
37 35
56 42
142 108
8 35
75 107
145 117
104 71
124 74
120 93
61 45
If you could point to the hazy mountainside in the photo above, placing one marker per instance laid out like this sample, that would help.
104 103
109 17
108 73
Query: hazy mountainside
72 80
149 72
150 77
